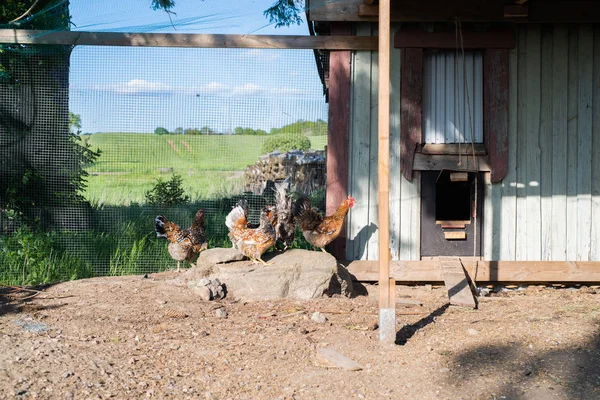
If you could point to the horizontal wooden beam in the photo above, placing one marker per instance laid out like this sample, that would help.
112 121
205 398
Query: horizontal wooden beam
71 38
453 149
484 271
504 39
433 162
467 10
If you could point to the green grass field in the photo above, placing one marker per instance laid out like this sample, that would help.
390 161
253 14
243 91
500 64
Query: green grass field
210 166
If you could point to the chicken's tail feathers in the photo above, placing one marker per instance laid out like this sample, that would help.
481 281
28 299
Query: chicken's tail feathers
234 218
300 205
243 203
159 226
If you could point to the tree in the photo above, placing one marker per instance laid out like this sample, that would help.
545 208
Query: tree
285 12
161 131
205 130
178 131
74 122
282 12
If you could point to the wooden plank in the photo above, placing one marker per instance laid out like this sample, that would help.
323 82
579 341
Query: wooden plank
457 283
373 174
483 271
495 111
453 235
395 176
504 228
196 40
387 305
560 57
454 148
410 218
469 10
532 160
338 135
521 181
426 162
584 142
412 108
572 124
547 223
595 233
358 222
459 177
503 39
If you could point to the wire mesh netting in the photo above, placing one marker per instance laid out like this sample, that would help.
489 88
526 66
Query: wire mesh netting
97 141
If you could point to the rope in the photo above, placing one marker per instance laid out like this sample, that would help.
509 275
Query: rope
458 28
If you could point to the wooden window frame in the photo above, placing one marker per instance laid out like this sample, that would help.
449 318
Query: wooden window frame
495 46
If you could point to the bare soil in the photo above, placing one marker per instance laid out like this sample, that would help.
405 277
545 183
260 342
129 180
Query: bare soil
135 337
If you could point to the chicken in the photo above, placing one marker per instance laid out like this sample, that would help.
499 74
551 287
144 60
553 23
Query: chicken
319 231
285 228
184 244
252 243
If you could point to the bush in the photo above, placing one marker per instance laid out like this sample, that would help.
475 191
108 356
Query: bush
161 131
285 143
32 257
167 192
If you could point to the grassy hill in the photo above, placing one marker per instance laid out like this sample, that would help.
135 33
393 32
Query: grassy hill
211 166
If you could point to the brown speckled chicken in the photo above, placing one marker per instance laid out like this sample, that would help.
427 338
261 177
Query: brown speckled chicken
251 242
285 228
184 244
318 230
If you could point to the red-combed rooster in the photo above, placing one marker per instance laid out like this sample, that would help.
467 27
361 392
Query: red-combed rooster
184 244
318 230
252 243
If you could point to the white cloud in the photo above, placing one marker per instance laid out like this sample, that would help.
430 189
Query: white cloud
248 89
137 86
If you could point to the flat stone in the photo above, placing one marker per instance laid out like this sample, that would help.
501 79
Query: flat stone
337 359
296 274
219 256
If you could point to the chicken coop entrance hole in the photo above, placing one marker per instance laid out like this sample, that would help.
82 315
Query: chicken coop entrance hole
452 199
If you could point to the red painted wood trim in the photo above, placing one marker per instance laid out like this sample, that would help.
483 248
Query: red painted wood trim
495 110
411 108
504 39
338 134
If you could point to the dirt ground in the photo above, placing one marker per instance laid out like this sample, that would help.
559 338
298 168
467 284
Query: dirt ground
142 337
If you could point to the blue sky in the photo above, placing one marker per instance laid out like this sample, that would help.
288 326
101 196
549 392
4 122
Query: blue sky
134 89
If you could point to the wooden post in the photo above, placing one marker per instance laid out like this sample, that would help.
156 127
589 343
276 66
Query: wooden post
387 304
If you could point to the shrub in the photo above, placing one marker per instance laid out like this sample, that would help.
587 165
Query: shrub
285 143
31 257
161 131
167 192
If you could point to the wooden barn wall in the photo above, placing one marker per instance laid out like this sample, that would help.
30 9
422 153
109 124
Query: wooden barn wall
548 206
405 203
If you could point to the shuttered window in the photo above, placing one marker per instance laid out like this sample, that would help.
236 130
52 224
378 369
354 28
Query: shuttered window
449 115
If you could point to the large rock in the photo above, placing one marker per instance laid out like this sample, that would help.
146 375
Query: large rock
296 274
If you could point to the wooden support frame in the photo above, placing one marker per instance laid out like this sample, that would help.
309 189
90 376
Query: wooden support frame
338 134
411 108
73 38
428 271
559 11
387 304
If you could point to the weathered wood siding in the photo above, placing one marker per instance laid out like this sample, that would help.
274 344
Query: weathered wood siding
404 196
548 206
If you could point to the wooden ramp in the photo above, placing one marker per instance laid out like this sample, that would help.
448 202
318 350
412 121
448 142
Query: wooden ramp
457 284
